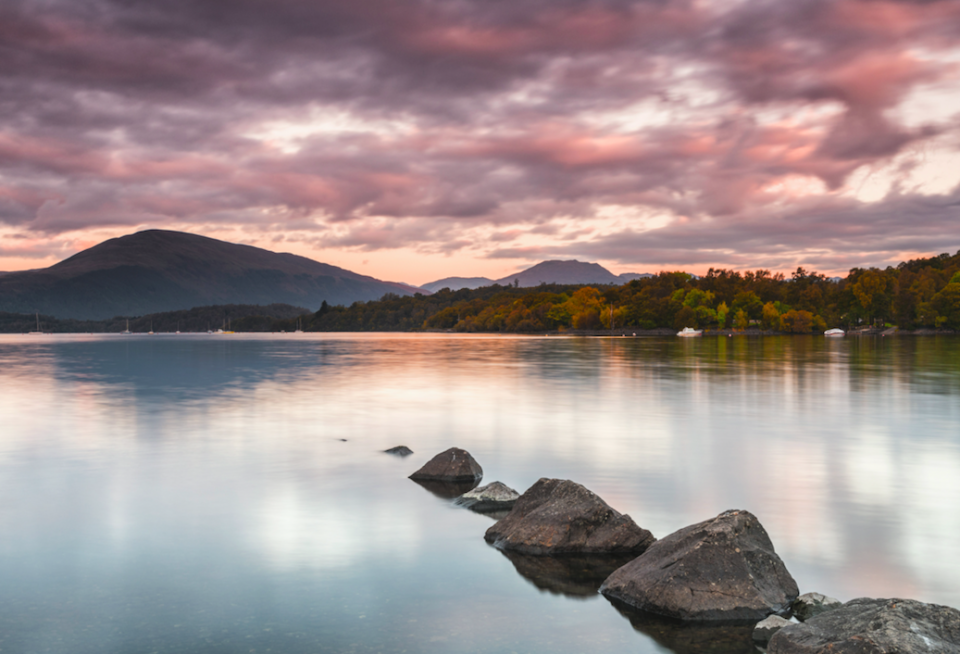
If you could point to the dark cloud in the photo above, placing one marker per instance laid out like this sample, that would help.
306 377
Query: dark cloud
471 113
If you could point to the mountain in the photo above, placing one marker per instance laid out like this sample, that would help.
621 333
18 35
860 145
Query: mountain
629 277
158 270
562 272
456 283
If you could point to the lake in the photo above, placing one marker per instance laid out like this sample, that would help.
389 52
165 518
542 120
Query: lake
228 493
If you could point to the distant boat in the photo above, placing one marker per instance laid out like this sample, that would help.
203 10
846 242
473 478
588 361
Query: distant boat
299 331
127 330
834 332
38 325
151 328
690 331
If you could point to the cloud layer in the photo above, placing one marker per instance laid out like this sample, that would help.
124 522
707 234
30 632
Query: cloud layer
649 133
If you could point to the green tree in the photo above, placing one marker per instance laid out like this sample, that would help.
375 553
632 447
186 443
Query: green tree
741 320
722 311
771 316
685 317
946 306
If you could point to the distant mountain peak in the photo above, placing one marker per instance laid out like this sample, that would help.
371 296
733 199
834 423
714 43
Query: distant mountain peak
556 271
159 270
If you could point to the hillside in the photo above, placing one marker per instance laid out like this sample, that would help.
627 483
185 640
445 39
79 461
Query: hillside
156 270
456 283
562 272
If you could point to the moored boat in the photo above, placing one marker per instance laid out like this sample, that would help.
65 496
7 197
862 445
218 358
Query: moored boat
690 331
834 332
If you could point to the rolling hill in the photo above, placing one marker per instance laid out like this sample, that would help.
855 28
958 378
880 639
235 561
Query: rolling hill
456 283
158 270
562 272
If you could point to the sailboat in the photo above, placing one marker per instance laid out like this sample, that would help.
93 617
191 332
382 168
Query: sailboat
38 325
299 331
151 328
127 330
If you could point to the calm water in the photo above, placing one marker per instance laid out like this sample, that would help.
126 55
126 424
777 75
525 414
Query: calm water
218 494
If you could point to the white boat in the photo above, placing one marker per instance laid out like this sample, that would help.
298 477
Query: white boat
690 331
127 330
834 332
38 326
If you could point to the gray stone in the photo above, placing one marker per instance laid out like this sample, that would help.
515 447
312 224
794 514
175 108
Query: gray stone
874 626
770 625
400 450
492 497
810 604
722 569
557 516
452 465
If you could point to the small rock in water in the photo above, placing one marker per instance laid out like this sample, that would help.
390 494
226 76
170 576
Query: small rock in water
557 516
452 465
724 569
400 450
810 604
492 497
874 626
770 625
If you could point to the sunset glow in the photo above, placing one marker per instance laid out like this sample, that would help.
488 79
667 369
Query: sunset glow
419 140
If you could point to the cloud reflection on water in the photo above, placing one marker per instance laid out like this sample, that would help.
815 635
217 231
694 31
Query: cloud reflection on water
208 449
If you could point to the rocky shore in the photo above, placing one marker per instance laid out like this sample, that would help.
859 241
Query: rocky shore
716 586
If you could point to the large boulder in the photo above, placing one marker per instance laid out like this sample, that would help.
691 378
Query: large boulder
722 569
452 465
557 516
874 626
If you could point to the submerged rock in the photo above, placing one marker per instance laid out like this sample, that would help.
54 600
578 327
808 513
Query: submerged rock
874 626
724 569
452 465
770 625
557 516
572 576
810 604
400 450
495 496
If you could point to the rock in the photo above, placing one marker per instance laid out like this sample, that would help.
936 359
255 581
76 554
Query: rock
690 637
874 626
724 569
572 576
446 490
556 516
770 625
810 604
400 450
452 465
492 497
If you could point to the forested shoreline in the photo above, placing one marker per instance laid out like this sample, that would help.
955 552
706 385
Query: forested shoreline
918 294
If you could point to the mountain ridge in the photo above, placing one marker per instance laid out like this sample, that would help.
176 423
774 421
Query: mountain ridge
159 270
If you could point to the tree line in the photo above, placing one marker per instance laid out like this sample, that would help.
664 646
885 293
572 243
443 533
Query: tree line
920 293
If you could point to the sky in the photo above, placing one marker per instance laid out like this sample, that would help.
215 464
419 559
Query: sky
413 140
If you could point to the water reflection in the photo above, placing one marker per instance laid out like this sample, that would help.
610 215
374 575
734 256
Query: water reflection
571 576
231 485
446 490
691 638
